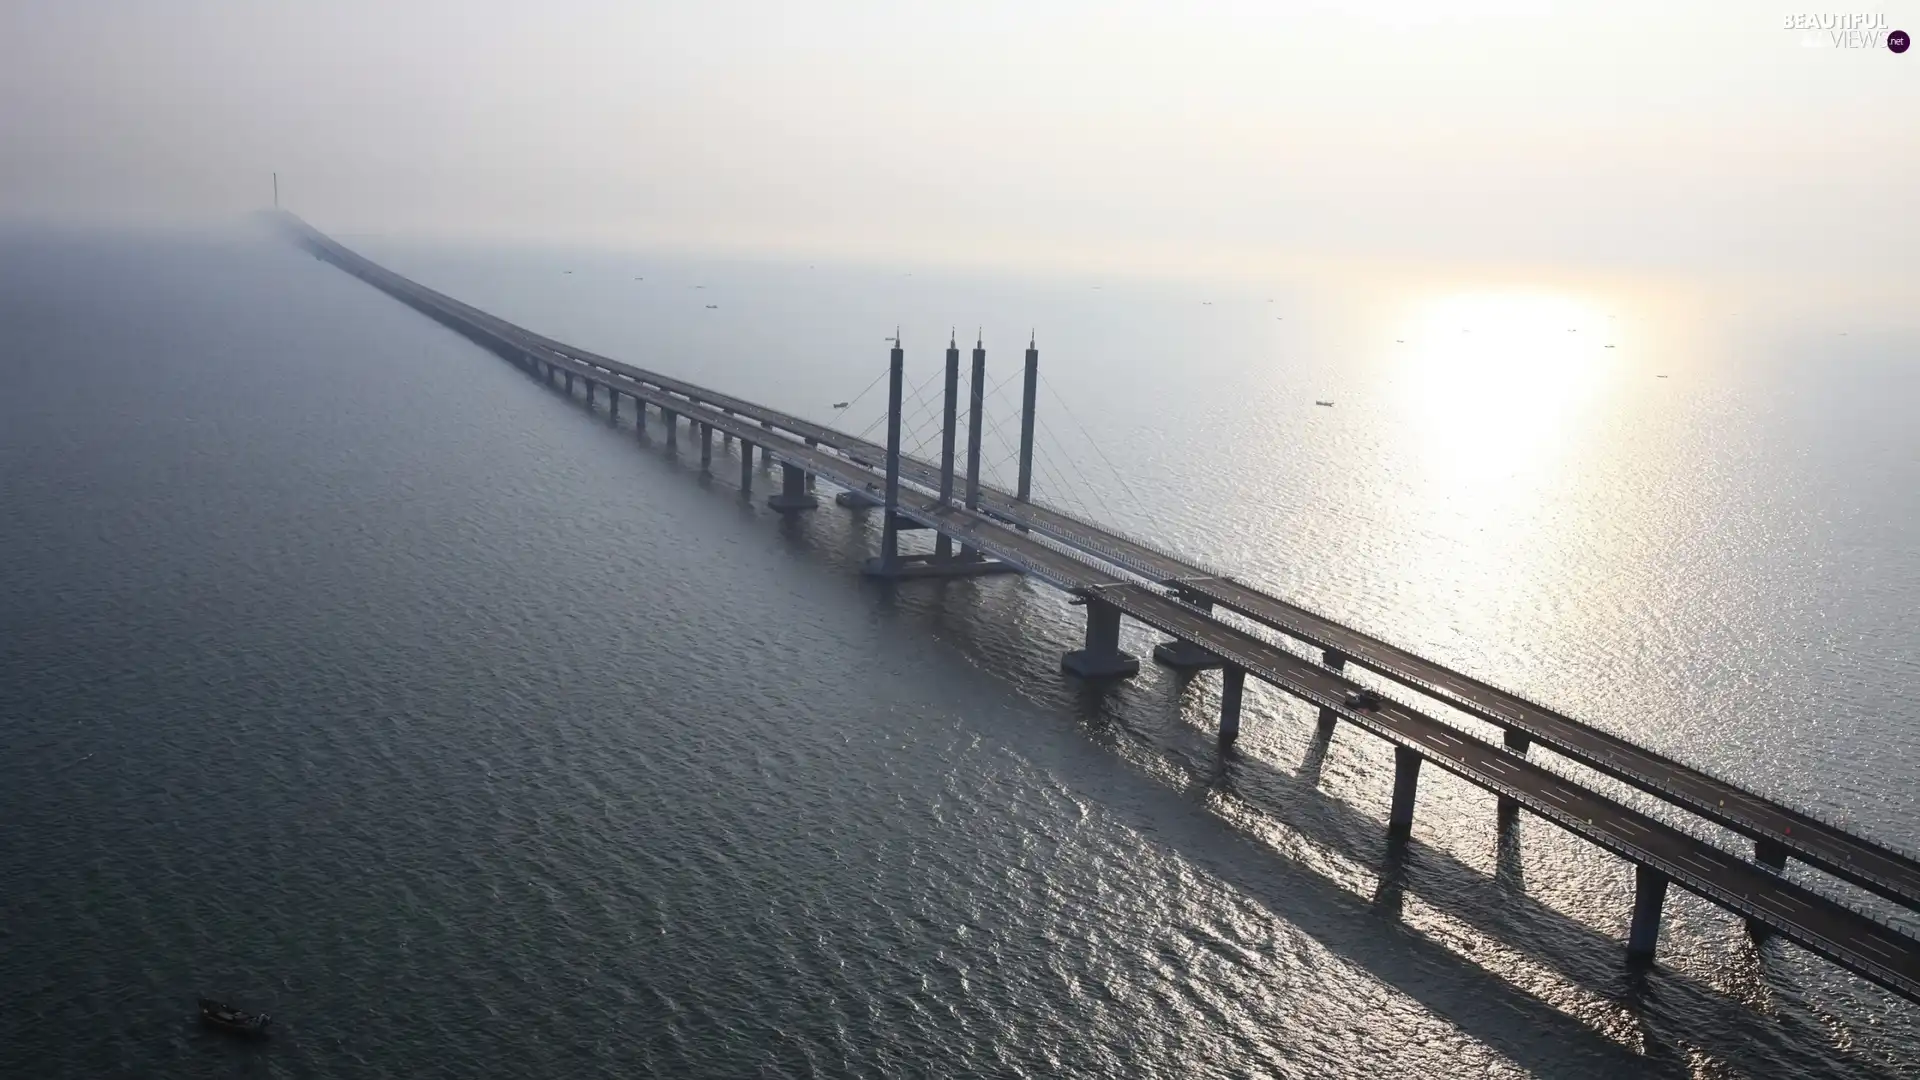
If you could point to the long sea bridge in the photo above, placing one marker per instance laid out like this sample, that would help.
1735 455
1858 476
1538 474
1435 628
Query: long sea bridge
980 528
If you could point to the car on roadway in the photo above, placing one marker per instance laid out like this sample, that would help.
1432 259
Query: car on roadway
1362 698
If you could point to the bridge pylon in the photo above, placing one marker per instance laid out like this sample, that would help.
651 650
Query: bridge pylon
941 562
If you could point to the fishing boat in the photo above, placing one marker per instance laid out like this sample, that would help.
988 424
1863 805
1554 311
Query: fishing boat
1329 404
227 1018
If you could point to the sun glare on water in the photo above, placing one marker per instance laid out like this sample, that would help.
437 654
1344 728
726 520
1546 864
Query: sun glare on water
1495 382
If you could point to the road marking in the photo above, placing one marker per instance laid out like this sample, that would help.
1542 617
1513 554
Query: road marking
1632 826
1879 945
1555 795
1699 863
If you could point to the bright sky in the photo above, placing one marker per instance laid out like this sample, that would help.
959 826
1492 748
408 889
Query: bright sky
1119 132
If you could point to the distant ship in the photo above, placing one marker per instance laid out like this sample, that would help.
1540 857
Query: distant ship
1327 403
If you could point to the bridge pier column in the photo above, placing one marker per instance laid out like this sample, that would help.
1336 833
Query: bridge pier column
639 418
1185 655
1233 683
1406 784
1328 721
1334 660
613 404
706 446
591 387
793 494
1506 810
810 445
672 420
1649 897
1101 658
746 467
569 383
1773 855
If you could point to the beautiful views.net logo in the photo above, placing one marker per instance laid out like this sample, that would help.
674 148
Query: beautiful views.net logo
1851 30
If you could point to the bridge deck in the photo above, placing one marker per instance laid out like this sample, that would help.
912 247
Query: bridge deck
1824 926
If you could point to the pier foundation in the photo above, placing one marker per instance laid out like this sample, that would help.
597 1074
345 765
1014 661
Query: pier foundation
1101 658
793 495
746 467
706 446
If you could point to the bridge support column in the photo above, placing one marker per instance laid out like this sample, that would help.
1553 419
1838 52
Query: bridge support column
793 494
1506 810
1185 655
1101 658
976 403
1771 854
746 467
1233 683
1333 660
1649 897
1406 784
591 387
810 477
569 383
1328 721
706 446
639 418
613 403
672 420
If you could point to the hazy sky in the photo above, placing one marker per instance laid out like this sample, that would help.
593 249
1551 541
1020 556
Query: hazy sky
1111 131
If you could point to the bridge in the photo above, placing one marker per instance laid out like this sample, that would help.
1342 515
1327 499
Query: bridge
1114 576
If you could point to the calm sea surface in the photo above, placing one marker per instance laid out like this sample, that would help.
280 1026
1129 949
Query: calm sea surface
348 673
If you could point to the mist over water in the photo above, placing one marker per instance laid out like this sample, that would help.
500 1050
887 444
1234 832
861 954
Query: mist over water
347 672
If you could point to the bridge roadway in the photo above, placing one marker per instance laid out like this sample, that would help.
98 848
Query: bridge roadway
1778 830
1811 920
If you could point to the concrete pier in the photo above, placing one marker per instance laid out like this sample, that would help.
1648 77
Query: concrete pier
706 446
1770 854
746 468
1101 658
1328 721
591 388
1406 784
672 421
1333 659
613 404
793 494
1505 809
1233 684
1649 897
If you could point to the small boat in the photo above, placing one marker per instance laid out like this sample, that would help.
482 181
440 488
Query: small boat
713 307
228 1018
1329 404
841 404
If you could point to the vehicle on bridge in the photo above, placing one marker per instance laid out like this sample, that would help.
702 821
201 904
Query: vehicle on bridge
1362 699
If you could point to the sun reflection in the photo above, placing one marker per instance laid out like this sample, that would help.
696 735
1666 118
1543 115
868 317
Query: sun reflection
1494 381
